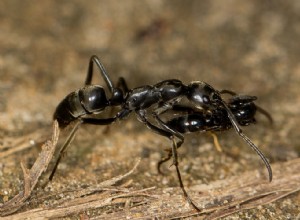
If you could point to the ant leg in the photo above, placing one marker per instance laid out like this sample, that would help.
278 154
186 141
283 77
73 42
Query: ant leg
239 131
181 109
163 160
167 133
117 95
186 195
174 133
265 113
216 141
226 91
260 154
96 60
260 109
142 117
98 121
71 136
64 147
123 85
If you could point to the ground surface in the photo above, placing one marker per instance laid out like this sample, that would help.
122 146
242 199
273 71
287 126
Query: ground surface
250 47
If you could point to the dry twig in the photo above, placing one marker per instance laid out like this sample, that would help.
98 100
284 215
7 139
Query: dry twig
11 145
31 176
218 199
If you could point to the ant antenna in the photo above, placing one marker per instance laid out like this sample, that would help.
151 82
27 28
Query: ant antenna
247 140
265 113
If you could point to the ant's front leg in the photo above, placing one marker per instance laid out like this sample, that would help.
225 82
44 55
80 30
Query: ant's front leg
141 114
123 85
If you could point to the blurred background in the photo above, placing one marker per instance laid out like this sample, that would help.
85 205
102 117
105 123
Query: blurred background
251 47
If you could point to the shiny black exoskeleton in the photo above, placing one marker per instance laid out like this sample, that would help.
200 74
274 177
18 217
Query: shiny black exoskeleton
90 99
151 101
242 107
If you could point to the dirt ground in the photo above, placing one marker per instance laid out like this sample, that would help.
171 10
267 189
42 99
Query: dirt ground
251 47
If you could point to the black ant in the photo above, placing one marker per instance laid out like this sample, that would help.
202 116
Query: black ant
242 107
158 99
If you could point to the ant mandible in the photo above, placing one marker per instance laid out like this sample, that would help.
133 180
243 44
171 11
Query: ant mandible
163 96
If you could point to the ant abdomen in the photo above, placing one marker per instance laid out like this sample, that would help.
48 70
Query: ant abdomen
87 100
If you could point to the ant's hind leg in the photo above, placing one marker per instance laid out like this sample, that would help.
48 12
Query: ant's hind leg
89 77
64 147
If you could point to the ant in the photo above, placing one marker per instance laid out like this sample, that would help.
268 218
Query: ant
156 99
242 107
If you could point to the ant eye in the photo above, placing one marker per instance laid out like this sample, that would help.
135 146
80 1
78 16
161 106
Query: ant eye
215 96
206 99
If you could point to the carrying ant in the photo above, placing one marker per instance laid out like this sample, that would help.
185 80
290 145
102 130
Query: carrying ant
152 101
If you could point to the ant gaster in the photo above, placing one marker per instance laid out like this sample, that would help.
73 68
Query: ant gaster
91 99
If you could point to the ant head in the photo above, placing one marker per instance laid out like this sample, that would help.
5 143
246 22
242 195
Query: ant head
93 98
242 100
117 97
203 95
243 108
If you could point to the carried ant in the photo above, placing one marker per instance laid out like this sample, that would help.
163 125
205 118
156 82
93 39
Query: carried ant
147 101
242 107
